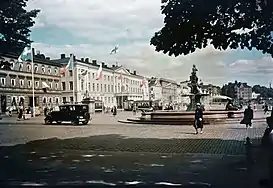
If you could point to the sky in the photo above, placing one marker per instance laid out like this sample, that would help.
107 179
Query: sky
92 28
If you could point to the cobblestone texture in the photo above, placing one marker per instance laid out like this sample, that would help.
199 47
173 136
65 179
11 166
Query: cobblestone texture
104 133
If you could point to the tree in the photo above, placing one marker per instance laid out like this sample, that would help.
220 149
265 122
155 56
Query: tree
194 24
15 23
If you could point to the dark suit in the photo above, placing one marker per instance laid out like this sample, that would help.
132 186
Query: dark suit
198 115
248 116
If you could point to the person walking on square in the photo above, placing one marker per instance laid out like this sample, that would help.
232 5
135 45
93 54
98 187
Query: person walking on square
114 111
198 119
248 116
266 109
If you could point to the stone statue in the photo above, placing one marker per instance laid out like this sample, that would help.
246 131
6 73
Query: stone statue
194 81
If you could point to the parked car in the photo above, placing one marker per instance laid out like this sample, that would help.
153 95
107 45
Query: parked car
74 113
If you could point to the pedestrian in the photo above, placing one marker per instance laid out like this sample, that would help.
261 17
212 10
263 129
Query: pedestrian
20 114
45 111
248 116
114 111
198 119
266 109
134 109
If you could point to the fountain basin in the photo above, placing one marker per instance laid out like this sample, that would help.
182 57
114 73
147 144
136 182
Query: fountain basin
184 118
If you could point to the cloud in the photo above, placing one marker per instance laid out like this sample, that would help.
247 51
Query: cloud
102 24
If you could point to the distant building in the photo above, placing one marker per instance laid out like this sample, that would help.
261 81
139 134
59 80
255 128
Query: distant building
116 85
163 90
16 82
242 91
255 95
210 89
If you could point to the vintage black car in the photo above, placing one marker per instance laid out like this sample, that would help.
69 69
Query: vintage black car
74 113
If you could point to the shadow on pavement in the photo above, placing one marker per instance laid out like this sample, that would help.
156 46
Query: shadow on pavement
115 160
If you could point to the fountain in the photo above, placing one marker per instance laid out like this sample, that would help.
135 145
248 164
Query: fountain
172 117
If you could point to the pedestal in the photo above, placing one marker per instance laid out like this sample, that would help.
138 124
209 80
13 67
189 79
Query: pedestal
90 103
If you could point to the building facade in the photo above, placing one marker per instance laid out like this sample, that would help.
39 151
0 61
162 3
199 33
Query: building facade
163 90
243 91
211 90
16 82
117 84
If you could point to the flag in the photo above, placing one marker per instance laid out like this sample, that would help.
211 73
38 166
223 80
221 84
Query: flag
45 87
115 50
120 76
69 65
83 73
99 74
26 55
143 83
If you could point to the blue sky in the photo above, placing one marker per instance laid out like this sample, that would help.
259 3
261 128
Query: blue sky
92 28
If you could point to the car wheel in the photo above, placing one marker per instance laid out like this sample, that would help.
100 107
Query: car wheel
48 122
85 122
59 122
76 122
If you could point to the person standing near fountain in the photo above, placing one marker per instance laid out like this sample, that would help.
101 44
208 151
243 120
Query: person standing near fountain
198 119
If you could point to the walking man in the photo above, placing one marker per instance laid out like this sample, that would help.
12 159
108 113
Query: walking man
198 119
248 116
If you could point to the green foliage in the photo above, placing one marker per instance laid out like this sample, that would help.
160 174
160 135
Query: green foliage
15 23
194 24
228 90
263 91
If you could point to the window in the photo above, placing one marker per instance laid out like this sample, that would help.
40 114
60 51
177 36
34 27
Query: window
108 78
115 89
3 81
109 88
89 86
98 87
55 70
50 85
43 69
12 81
105 89
29 83
35 68
50 100
64 99
63 86
21 82
12 64
93 75
49 70
71 99
21 66
56 86
82 85
104 77
71 85
93 86
28 68
36 84
101 89
70 73
44 100
56 100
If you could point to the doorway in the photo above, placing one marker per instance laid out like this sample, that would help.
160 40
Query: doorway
3 103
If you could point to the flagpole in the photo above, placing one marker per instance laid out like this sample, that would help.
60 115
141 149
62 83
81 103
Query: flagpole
33 84
73 77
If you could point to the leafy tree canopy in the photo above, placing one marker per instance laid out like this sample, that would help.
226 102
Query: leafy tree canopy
15 23
193 24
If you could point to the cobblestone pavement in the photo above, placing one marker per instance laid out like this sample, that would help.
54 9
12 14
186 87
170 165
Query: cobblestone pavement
106 152
105 133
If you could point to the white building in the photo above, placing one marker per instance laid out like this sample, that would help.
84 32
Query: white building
163 90
116 85
255 95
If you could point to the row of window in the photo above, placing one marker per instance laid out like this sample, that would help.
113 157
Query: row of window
36 68
28 84
111 78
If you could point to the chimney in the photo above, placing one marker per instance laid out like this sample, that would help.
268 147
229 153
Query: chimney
128 70
82 59
134 72
47 58
62 56
86 60
94 62
113 66
74 57
103 64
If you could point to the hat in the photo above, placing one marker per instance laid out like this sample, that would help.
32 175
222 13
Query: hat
197 104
